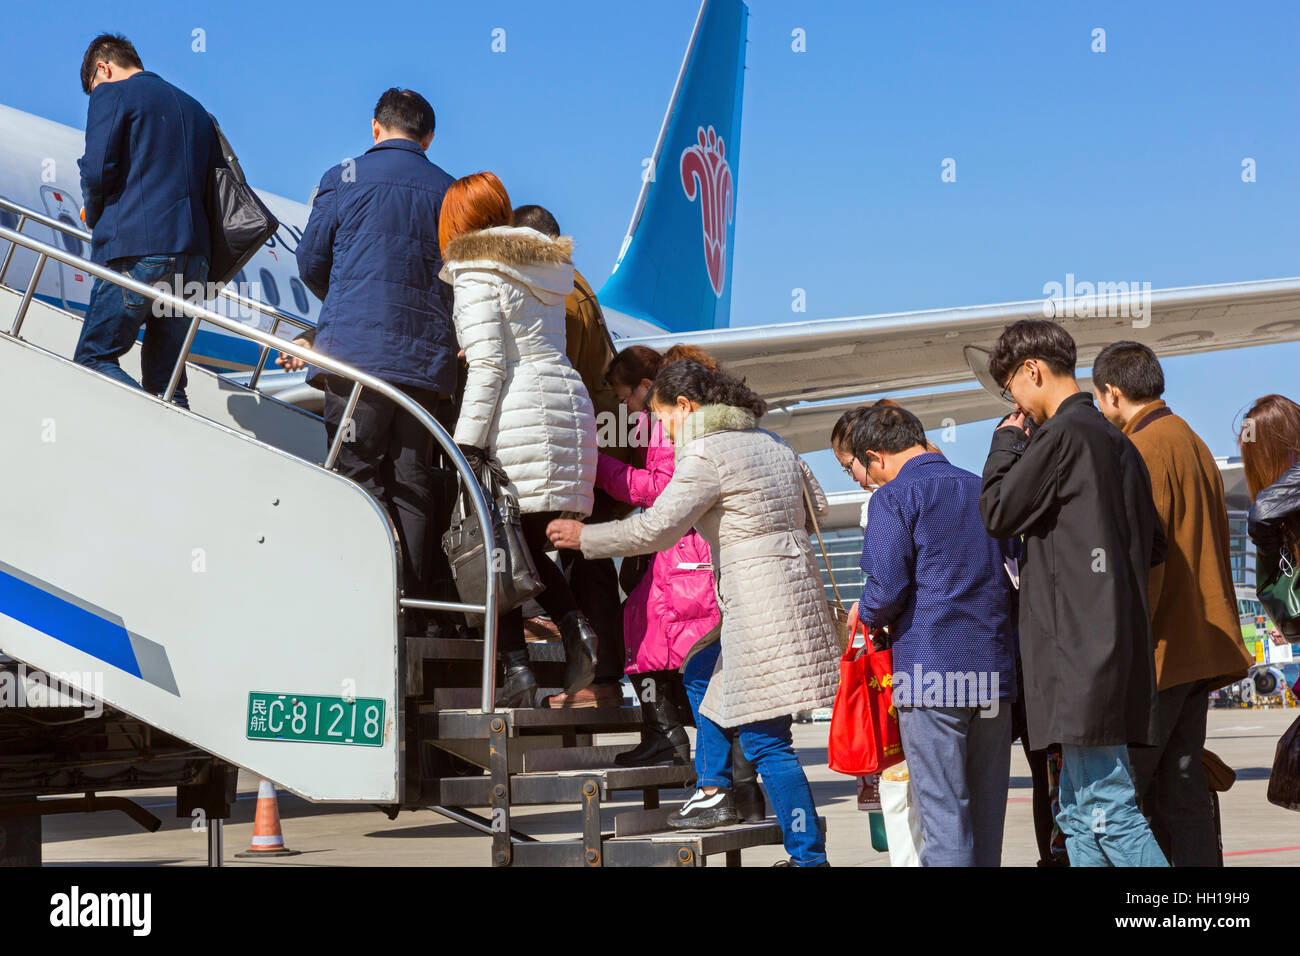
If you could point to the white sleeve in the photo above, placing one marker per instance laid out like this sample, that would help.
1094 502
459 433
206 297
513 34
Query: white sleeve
480 329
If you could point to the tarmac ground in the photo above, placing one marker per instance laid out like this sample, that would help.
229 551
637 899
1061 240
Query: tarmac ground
1255 833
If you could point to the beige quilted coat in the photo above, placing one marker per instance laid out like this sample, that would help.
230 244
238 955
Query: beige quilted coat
741 488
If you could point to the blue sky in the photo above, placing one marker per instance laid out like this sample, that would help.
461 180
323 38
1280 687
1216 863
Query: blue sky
1123 165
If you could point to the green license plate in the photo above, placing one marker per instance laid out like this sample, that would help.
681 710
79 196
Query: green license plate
312 719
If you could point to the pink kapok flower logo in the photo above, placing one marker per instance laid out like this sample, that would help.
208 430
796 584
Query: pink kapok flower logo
705 173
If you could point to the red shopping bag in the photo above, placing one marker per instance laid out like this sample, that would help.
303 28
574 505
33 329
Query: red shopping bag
864 725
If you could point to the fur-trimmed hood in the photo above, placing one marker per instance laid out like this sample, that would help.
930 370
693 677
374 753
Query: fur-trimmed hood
714 418
543 264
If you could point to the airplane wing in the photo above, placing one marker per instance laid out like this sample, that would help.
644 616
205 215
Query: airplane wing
824 359
807 425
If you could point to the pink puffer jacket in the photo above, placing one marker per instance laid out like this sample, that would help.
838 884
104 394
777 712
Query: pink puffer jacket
675 604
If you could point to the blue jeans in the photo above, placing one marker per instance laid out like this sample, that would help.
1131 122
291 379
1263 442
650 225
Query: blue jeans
1099 814
770 746
114 318
959 764
1170 781
695 678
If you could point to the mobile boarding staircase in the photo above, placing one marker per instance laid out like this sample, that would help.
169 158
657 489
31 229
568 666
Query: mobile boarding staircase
233 603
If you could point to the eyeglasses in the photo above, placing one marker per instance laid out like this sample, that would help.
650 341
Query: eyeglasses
1006 389
865 466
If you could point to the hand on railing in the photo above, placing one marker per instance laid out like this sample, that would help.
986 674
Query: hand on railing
290 363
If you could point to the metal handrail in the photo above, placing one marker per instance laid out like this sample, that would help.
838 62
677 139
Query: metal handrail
360 379
278 317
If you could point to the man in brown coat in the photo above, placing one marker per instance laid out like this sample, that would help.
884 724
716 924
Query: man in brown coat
590 348
1198 645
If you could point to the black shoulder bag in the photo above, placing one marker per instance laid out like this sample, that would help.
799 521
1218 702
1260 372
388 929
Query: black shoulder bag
238 222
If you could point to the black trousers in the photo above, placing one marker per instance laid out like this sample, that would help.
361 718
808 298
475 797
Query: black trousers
441 584
1041 799
556 599
594 583
391 455
1170 780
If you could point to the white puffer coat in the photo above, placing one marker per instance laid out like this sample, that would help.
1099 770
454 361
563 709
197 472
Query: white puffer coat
742 488
524 403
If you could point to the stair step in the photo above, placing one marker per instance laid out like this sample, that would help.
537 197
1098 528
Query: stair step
652 825
477 750
705 843
465 698
575 758
677 850
436 663
564 786
455 649
474 723
680 849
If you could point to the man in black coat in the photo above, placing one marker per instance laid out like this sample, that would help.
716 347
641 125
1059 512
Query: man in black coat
1080 494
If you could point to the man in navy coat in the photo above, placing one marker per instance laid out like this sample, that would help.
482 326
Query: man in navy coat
149 150
370 253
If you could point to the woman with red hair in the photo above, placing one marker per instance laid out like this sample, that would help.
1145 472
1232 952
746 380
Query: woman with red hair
1270 455
524 404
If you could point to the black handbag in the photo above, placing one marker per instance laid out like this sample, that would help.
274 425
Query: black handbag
238 222
516 576
1284 781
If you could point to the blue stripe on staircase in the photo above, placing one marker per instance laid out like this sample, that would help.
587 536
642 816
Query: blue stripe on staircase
66 622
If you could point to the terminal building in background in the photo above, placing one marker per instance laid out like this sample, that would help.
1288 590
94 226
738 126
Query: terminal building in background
1242 549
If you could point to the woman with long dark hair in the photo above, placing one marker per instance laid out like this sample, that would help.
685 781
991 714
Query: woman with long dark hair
672 605
1270 455
744 490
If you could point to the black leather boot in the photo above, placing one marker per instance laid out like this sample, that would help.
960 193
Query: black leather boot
663 739
579 651
519 688
745 789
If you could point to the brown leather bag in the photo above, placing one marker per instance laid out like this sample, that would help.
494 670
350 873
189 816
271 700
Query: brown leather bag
1217 773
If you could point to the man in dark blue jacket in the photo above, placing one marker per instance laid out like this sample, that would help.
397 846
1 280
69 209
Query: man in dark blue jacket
370 253
938 581
149 150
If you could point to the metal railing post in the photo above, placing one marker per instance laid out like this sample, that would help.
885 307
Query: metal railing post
27 295
9 254
179 370
487 699
344 423
263 356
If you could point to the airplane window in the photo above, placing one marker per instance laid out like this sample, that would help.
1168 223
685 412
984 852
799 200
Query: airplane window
270 291
10 221
299 296
71 242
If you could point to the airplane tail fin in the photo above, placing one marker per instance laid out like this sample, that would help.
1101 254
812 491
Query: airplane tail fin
674 268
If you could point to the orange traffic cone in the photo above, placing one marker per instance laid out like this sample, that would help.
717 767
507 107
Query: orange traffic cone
267 838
